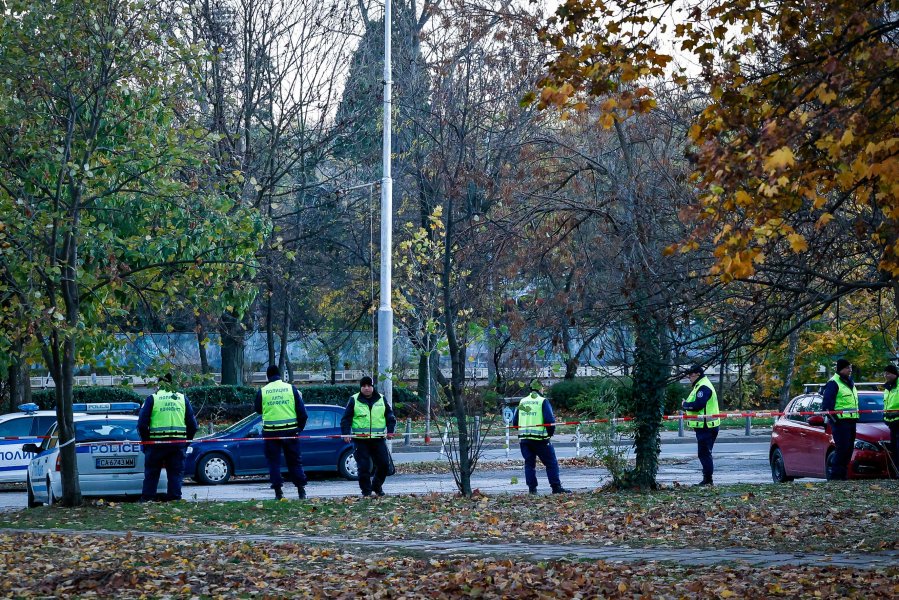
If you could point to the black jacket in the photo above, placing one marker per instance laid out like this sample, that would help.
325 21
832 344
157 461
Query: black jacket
346 421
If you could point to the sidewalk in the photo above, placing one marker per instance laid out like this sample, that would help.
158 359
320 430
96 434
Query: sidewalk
563 440
624 554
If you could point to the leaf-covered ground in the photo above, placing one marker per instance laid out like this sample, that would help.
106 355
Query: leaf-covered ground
820 517
51 565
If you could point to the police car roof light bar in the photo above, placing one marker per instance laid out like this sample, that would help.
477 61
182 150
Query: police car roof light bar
29 408
94 408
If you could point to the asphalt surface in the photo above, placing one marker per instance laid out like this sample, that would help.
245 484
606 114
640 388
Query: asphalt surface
736 461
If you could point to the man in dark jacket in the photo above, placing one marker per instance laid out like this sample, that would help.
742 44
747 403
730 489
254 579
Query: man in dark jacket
891 416
700 403
283 418
165 423
533 419
368 420
840 394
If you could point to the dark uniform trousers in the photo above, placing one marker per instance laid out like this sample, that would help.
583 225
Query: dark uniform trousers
705 442
894 446
291 449
163 456
843 431
531 450
368 452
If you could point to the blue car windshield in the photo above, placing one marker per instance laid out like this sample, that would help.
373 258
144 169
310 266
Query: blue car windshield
870 401
241 424
106 430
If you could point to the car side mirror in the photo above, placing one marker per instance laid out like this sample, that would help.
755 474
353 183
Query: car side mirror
816 420
33 448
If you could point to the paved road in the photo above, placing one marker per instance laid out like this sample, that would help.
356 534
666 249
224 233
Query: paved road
734 463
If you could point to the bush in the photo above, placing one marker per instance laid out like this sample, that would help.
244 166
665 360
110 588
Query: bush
232 403
581 395
46 399
221 402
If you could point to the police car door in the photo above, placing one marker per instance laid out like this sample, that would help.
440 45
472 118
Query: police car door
42 463
14 433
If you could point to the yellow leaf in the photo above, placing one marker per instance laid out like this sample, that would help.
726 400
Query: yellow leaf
823 220
726 593
622 587
742 198
780 158
607 120
825 95
797 242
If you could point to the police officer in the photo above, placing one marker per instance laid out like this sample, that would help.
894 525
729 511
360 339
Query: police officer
891 403
533 418
166 420
368 420
283 418
702 401
840 394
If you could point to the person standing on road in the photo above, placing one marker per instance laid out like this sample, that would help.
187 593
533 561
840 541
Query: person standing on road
891 403
368 420
283 418
165 423
534 419
702 401
840 394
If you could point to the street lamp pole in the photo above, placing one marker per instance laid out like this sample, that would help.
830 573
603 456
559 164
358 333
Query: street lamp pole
385 309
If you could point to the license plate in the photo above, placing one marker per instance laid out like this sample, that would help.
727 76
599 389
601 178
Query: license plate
115 462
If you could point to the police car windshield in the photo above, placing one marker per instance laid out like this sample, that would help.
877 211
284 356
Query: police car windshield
106 430
870 401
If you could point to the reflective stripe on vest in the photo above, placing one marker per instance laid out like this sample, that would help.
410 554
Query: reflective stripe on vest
711 407
279 409
369 423
847 399
891 402
167 420
530 418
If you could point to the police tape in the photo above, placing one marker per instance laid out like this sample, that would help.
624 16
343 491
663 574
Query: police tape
614 420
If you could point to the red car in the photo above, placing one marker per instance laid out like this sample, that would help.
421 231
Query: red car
801 445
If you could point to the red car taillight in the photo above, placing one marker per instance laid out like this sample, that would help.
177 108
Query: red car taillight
58 465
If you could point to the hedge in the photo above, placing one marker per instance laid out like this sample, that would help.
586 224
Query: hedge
577 394
232 403
46 399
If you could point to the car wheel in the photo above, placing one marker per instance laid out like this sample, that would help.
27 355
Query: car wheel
51 498
32 503
828 464
778 469
347 466
214 469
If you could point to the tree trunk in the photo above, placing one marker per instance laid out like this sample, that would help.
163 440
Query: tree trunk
571 359
285 329
269 326
232 334
201 346
792 352
332 365
651 370
19 378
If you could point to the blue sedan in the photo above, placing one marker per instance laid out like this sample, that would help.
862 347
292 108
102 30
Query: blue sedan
216 458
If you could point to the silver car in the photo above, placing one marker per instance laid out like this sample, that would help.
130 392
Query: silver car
109 456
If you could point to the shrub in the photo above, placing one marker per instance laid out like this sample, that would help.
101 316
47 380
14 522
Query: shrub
221 402
566 393
46 399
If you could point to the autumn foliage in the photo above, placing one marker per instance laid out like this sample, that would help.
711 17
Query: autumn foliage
797 127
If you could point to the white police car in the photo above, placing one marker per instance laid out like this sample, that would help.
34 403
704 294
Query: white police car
108 453
21 428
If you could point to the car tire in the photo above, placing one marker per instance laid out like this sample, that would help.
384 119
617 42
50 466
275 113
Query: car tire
214 469
51 498
32 503
778 469
346 465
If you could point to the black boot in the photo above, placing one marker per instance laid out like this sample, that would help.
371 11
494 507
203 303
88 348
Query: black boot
532 490
705 481
278 493
379 491
560 490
